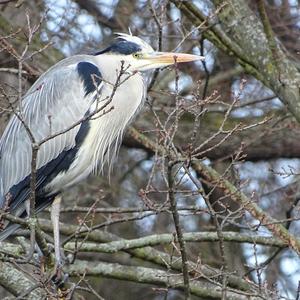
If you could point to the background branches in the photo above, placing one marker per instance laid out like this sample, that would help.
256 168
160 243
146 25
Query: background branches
203 202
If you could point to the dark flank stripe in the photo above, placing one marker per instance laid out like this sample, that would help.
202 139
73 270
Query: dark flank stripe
90 75
21 191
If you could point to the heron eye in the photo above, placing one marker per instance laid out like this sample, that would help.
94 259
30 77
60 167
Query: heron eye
137 55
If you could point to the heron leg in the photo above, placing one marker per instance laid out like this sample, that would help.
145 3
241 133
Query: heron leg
55 222
59 277
34 246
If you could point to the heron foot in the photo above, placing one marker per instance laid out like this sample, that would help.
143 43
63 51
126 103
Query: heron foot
59 278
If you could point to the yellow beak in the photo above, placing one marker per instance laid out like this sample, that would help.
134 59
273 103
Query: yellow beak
156 60
170 58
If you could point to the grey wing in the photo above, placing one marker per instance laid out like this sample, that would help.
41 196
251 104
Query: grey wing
58 99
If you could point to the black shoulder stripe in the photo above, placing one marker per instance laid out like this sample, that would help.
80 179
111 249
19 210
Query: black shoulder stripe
90 76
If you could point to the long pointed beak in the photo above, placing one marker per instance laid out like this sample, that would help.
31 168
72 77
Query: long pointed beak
170 58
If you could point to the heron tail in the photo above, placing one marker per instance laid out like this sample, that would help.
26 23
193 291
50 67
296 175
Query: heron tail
10 229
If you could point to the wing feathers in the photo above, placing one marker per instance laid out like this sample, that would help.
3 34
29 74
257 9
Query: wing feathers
59 98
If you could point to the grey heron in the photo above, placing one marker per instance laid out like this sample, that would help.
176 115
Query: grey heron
62 109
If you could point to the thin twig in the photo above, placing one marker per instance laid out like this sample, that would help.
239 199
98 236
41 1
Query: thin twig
179 233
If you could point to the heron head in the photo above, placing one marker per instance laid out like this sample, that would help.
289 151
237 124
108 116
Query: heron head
140 56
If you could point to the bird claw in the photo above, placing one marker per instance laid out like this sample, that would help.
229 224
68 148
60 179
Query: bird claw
59 278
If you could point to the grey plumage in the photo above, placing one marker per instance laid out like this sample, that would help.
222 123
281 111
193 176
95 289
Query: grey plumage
46 109
68 92
55 102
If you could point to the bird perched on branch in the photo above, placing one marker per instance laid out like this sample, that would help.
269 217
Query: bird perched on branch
70 124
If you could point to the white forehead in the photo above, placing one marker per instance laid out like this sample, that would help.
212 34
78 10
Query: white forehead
134 39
